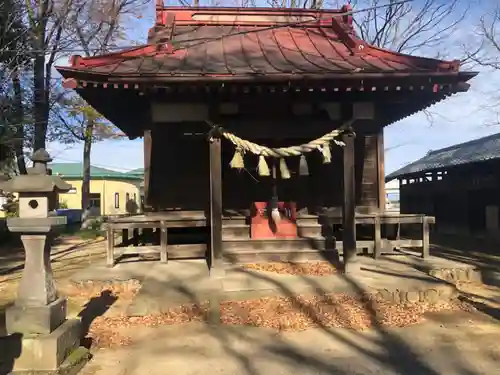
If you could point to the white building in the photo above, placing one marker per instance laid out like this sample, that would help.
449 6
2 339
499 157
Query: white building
392 195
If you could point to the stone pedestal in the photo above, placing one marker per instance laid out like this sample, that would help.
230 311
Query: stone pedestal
48 339
46 353
37 286
32 320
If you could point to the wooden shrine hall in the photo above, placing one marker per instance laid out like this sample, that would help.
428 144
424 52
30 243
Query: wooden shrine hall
263 132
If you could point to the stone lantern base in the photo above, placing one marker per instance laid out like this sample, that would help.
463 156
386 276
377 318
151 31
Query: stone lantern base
45 341
58 352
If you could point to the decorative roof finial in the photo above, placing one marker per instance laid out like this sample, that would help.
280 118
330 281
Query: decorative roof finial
40 159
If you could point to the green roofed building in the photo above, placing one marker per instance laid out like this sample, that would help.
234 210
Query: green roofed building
111 192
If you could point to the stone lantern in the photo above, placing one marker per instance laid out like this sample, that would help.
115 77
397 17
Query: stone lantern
39 314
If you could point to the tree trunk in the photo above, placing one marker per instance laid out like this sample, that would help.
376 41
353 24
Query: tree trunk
19 120
40 99
87 147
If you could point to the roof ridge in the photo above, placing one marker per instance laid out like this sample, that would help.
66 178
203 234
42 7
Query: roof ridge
466 143
473 151
91 166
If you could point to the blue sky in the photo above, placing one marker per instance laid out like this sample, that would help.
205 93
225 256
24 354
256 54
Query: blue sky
458 119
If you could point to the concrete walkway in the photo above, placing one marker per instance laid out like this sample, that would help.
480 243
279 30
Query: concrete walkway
452 344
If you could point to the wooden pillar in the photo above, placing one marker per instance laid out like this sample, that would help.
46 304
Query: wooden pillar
425 237
216 261
377 241
381 170
163 242
125 236
110 249
349 203
148 147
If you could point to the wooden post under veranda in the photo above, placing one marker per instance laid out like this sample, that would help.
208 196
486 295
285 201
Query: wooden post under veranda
215 260
349 203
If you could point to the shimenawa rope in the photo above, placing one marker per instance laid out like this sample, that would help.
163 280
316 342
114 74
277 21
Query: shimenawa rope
243 146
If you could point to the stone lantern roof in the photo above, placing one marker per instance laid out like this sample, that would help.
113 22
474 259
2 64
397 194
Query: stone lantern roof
38 179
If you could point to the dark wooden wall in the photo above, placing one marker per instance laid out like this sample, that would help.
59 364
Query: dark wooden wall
457 197
179 171
179 168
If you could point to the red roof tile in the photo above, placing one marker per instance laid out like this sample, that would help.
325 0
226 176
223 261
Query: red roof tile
250 43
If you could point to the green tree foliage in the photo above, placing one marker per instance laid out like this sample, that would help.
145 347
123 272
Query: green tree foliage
82 123
11 206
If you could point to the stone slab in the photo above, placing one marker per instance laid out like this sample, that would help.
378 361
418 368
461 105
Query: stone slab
47 352
71 365
32 320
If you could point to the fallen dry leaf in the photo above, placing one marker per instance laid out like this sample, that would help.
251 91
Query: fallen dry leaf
91 289
292 268
280 313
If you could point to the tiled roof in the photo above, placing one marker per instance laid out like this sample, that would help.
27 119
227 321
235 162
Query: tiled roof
477 150
249 43
75 171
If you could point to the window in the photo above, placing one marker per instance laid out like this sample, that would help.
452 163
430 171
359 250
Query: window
95 200
117 200
127 197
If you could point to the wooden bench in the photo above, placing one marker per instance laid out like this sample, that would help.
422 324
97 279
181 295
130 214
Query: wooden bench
377 220
161 222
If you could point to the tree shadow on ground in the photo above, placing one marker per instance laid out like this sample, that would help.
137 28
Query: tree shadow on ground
473 251
10 349
393 355
491 311
13 264
97 306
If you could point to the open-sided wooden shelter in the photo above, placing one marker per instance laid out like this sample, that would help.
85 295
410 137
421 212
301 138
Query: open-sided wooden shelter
275 77
458 185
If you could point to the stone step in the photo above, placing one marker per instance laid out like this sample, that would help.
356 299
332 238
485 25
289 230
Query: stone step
237 244
302 219
240 250
307 220
283 255
243 230
235 230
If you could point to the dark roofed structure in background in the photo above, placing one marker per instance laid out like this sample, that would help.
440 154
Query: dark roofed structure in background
458 185
475 151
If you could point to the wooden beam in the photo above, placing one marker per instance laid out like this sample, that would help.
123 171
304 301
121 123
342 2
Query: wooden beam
215 151
148 147
348 203
381 170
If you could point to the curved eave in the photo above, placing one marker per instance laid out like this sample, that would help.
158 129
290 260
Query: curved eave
76 78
